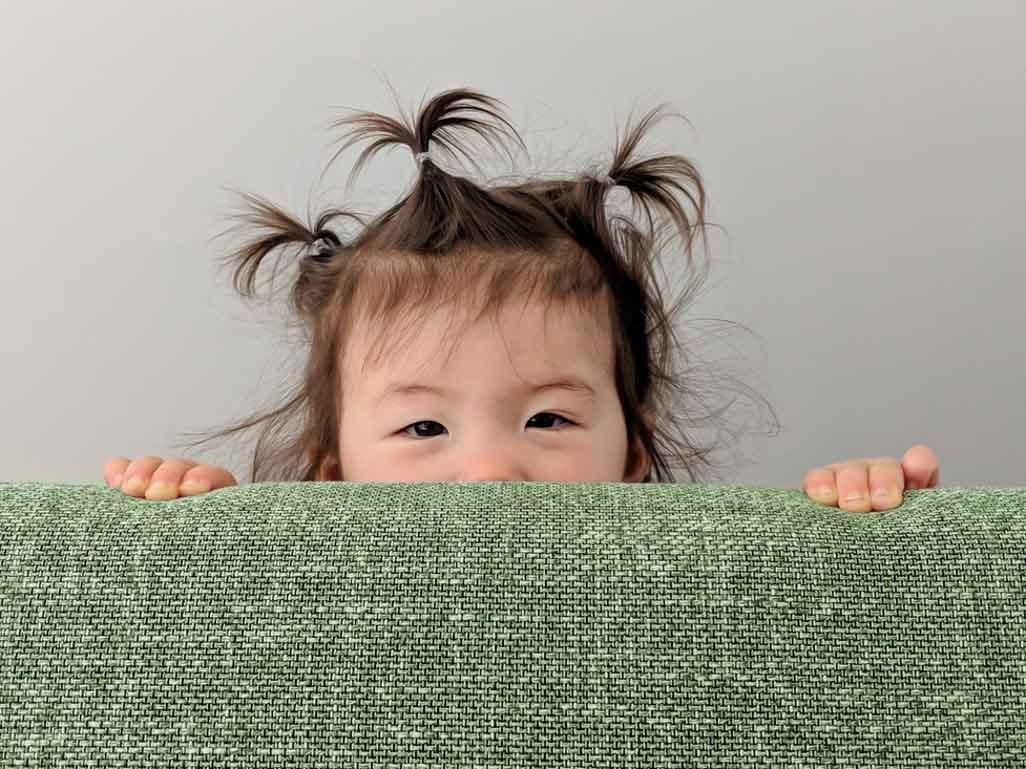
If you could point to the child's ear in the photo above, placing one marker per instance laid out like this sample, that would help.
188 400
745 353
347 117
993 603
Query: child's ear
639 463
329 469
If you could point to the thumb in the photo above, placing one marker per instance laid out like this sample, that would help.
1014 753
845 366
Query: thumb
921 467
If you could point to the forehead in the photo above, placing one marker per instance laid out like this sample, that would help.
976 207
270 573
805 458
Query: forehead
536 337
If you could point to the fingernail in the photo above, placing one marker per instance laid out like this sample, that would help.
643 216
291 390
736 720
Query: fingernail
881 493
161 490
854 497
193 486
134 484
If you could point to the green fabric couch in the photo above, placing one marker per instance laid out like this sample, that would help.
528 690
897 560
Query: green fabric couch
510 625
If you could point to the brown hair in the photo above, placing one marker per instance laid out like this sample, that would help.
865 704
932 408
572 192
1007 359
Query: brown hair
547 236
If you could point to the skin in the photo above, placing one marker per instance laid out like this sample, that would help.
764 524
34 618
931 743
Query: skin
497 429
917 469
494 428
873 484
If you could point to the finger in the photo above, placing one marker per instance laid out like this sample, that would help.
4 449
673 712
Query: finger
165 479
821 485
204 478
921 467
853 487
114 467
886 484
137 475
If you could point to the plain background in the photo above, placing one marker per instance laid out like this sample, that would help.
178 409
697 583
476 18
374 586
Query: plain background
865 161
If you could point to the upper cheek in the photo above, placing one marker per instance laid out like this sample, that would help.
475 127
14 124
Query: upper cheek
352 446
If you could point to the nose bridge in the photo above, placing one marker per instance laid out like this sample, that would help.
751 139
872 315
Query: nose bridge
488 456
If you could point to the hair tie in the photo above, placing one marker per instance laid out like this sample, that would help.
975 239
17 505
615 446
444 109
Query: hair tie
320 251
420 157
602 178
327 235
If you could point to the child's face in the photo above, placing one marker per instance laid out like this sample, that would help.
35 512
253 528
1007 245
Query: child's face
492 426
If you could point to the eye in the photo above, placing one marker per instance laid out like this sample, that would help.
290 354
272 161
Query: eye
405 430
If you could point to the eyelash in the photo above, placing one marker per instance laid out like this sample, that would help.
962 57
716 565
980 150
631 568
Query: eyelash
428 421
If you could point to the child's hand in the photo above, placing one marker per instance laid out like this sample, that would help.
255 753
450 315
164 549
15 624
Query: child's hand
164 478
918 469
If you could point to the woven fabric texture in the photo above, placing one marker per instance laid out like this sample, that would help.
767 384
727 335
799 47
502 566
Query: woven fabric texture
510 625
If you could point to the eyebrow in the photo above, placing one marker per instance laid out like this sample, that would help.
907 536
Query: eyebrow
568 384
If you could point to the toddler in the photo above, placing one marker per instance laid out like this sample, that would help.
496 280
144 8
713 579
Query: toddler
485 333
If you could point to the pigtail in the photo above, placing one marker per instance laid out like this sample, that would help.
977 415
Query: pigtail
271 228
434 129
651 183
443 208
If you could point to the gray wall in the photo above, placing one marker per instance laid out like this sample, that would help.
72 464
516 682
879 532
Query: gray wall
865 161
